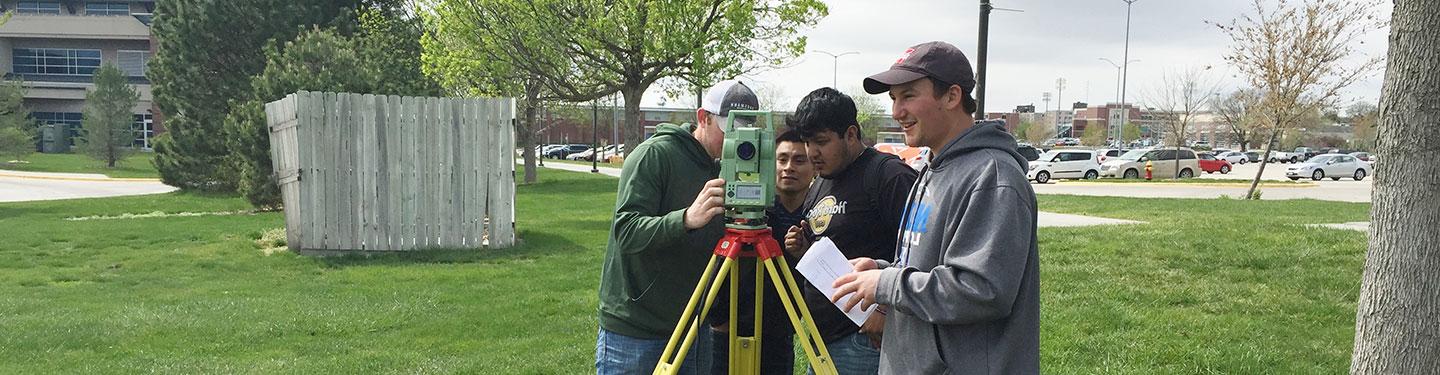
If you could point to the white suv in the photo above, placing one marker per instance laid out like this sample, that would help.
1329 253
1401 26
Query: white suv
1064 164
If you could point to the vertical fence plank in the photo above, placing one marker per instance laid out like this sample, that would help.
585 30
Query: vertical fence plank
408 112
507 174
310 179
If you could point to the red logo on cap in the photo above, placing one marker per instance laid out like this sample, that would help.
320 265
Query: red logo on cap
905 55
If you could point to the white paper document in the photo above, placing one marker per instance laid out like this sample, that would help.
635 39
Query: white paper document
821 265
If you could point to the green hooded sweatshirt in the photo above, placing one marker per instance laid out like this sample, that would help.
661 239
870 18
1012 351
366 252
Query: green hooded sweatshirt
652 263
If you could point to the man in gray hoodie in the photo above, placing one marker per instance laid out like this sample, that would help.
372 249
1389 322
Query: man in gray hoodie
963 294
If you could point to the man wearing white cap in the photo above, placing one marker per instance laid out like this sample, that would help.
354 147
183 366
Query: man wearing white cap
667 220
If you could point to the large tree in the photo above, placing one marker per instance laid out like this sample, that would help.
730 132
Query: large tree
109 117
206 53
1297 56
579 50
1397 320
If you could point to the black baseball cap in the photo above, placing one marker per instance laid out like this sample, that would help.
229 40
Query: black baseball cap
937 60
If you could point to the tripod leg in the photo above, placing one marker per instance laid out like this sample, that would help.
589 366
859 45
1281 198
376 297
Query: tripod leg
690 324
745 350
800 318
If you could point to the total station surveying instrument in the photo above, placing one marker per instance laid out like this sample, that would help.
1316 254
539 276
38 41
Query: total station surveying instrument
747 165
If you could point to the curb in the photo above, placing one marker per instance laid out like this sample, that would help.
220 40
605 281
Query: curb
107 179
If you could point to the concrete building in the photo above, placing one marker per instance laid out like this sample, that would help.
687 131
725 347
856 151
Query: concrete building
55 47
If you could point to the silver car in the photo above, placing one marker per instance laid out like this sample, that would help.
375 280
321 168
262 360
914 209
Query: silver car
1334 166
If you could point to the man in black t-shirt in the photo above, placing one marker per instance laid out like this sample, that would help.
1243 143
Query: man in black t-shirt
857 202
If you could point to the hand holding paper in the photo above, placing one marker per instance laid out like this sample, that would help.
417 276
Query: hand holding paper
823 266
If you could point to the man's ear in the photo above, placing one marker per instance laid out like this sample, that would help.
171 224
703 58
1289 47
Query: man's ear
701 117
954 97
853 131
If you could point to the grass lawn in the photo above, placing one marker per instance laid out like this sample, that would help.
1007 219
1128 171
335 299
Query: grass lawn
136 166
1209 286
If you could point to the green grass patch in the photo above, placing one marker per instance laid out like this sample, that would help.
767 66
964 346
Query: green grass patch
1208 286
136 166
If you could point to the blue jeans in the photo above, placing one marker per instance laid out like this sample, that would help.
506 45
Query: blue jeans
624 355
853 355
777 353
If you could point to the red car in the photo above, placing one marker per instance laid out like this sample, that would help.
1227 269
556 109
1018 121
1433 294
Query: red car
1210 164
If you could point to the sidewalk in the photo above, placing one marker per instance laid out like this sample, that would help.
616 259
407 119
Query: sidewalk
69 176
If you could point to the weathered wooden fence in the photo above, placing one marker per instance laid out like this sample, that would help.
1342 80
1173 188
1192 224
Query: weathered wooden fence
383 173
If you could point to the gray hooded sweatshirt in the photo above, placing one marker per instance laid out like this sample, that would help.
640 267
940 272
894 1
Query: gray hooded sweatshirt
964 290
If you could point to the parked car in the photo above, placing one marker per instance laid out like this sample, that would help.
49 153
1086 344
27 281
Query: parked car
1162 160
1064 164
1211 164
1334 166
1107 153
1364 156
1253 156
566 150
582 155
1232 157
1277 156
915 157
1029 152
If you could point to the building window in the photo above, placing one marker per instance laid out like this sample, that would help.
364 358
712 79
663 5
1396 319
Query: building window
133 63
144 128
107 9
38 7
75 62
71 120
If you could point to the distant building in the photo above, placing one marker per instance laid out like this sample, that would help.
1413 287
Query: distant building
55 47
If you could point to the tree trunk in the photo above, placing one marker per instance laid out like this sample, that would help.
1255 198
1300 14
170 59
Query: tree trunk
1264 161
632 117
526 139
1397 320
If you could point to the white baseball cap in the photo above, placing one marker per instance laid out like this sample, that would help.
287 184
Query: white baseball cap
727 95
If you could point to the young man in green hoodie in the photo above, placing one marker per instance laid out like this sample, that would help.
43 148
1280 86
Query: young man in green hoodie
964 289
667 220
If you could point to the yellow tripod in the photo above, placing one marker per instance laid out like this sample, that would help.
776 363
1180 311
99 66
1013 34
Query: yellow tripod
745 350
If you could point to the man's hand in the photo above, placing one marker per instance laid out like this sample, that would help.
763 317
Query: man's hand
796 242
862 284
863 264
874 327
709 203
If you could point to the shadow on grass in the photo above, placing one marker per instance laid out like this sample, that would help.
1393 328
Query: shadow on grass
533 245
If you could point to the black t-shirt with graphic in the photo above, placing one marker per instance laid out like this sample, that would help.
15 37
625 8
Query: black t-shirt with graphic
860 224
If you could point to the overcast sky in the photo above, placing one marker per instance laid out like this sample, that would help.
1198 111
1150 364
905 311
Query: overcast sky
1028 50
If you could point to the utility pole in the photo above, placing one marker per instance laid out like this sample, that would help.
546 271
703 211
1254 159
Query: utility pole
985 8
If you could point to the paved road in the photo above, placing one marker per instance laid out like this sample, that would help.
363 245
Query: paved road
31 186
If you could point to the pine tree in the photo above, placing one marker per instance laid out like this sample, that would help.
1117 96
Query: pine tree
17 131
108 120
207 52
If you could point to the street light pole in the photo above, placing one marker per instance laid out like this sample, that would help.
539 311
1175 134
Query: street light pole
1125 72
835 65
1118 95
